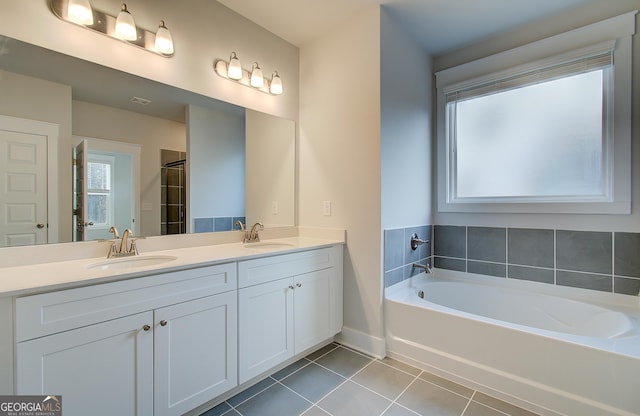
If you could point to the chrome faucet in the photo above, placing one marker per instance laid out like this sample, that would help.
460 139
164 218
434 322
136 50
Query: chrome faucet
126 248
253 236
424 267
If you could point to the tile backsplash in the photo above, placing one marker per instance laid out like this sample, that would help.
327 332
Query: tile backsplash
606 261
399 256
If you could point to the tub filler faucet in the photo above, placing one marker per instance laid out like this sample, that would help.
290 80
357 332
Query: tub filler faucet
424 267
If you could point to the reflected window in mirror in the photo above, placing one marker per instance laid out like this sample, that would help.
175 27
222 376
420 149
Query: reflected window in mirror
99 190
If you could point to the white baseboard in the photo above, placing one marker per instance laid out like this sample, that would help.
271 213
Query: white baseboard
360 341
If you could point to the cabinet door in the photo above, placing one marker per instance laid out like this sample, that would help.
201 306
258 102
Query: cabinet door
195 352
265 322
313 309
102 369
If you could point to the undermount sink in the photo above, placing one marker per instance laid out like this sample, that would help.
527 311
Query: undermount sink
265 245
130 262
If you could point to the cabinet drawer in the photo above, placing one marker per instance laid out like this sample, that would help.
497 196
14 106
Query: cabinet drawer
266 269
49 313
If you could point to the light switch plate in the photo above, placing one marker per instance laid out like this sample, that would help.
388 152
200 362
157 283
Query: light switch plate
326 208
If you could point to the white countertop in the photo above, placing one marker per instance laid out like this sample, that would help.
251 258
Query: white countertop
45 277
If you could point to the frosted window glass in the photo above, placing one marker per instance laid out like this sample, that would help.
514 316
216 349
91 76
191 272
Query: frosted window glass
542 140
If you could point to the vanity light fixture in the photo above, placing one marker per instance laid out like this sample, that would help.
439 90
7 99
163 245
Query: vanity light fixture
125 25
233 71
164 41
276 84
122 27
235 68
80 12
257 80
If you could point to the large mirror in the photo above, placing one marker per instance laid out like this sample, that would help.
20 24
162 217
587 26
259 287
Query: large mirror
203 163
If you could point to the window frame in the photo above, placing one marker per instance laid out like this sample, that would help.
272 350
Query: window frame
613 34
105 160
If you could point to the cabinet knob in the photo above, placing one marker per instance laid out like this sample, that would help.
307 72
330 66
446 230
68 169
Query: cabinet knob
163 323
291 287
146 327
299 284
40 225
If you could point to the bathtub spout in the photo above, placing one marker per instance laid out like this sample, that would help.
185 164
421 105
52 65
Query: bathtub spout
424 267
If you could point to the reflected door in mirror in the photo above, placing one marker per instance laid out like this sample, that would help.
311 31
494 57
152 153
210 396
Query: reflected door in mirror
23 190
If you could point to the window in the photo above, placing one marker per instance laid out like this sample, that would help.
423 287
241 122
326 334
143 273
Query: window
539 136
100 191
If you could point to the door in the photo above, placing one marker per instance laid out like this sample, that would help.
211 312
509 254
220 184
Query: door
312 306
102 369
265 322
80 211
195 352
23 187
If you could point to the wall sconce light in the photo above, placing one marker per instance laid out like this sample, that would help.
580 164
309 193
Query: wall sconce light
256 76
164 41
233 71
122 27
125 25
79 11
235 68
276 84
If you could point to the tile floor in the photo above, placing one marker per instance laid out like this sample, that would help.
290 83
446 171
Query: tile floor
337 381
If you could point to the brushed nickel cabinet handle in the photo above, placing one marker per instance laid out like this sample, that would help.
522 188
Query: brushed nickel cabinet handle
291 287
40 225
163 323
146 327
299 284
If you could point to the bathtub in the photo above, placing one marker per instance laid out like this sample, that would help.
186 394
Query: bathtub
550 349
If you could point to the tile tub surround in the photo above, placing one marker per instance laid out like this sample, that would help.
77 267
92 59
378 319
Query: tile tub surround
606 261
398 255
337 381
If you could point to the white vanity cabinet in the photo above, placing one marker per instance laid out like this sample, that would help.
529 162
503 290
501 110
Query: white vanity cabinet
156 345
287 304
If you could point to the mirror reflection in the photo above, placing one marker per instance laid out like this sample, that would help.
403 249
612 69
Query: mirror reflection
236 163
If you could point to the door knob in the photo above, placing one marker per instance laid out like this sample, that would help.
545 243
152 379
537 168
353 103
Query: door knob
40 225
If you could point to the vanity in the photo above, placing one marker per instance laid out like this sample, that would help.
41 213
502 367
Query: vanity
169 331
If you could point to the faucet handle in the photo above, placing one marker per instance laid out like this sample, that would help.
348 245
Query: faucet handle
133 248
240 224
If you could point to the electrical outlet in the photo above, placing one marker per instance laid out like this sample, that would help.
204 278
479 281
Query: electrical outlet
274 207
326 208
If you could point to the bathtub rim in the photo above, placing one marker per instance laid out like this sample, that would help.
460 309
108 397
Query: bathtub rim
626 304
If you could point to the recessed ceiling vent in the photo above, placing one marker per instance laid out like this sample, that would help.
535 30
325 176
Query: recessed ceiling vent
141 101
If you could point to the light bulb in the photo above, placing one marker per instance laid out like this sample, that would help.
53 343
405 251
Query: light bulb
164 41
79 11
276 84
125 25
257 80
235 69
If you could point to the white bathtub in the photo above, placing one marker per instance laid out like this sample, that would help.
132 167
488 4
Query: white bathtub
551 349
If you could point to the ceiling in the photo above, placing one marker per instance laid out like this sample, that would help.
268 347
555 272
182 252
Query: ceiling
438 25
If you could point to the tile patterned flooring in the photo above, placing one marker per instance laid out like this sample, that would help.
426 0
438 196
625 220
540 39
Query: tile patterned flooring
337 381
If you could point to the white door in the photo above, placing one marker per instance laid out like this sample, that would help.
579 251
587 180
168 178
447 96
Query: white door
195 352
312 306
265 322
102 369
23 188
